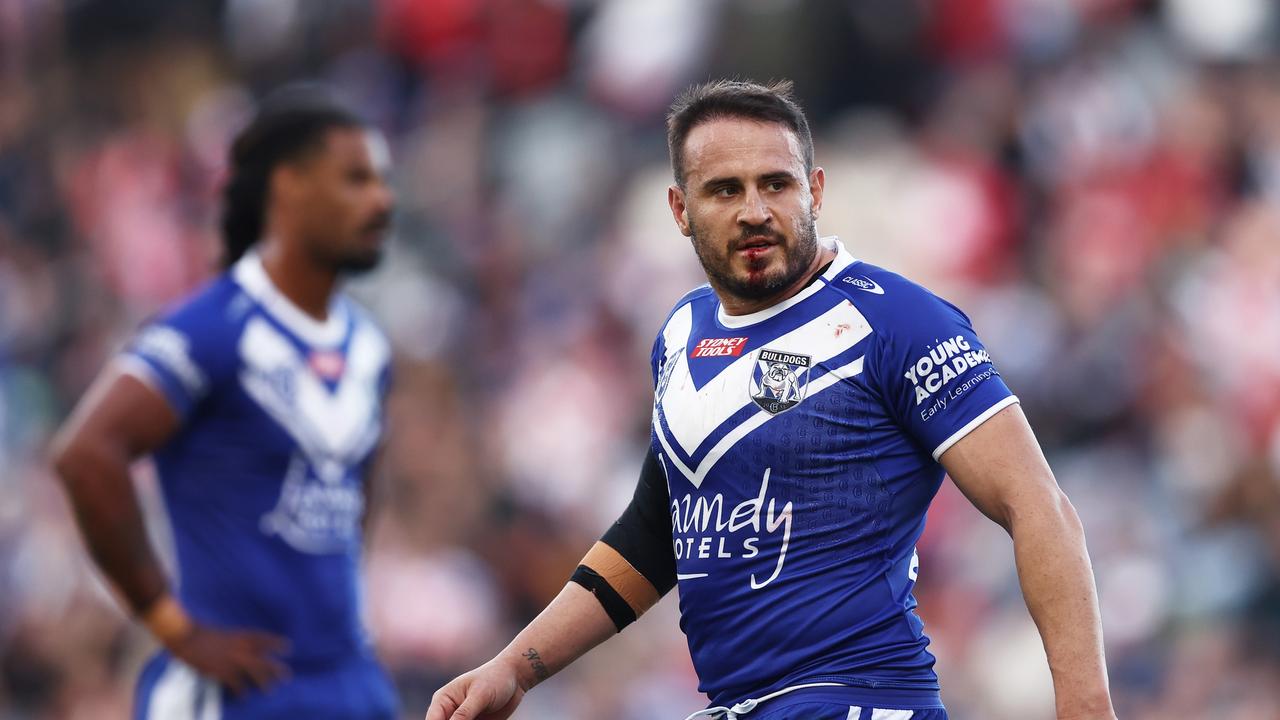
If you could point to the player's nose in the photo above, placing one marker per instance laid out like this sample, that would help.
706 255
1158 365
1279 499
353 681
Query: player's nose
384 199
754 210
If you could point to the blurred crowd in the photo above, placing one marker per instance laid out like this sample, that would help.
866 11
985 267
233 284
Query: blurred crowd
1097 182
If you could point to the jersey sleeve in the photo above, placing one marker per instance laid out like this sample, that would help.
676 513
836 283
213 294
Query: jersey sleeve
655 359
181 355
660 365
937 379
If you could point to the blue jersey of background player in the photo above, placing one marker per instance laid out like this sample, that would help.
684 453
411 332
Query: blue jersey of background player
260 398
805 408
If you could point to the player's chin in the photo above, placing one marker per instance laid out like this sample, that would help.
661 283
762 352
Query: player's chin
753 269
758 286
361 260
764 273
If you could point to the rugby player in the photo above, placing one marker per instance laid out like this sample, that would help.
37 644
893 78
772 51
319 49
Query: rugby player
807 406
260 399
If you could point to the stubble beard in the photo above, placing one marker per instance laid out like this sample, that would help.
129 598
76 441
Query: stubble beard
346 260
716 263
357 264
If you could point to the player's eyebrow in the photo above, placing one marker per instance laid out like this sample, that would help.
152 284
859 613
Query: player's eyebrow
731 180
720 182
777 175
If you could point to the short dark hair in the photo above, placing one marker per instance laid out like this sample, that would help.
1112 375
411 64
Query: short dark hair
291 122
717 99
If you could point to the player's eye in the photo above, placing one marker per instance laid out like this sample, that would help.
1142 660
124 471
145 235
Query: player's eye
776 185
725 191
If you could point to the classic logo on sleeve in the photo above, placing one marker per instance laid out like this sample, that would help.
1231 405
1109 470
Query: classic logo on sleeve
779 380
865 284
945 362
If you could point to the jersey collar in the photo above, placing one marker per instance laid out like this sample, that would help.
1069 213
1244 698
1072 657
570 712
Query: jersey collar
252 277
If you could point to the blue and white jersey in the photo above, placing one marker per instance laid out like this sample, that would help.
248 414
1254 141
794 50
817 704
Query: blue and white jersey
263 482
800 445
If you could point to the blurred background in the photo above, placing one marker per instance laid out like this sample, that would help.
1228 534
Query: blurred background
1097 182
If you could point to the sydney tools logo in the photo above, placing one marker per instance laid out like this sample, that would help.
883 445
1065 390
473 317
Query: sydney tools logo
719 347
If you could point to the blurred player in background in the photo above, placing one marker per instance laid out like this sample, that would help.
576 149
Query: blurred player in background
806 407
260 398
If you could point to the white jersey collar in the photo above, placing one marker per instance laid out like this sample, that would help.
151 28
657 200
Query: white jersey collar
252 277
842 260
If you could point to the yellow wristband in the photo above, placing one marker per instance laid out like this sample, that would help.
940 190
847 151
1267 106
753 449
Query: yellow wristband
167 620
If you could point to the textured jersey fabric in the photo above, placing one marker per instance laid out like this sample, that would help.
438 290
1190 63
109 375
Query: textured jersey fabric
800 447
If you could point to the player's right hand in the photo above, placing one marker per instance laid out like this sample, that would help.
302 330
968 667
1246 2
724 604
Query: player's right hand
235 658
490 692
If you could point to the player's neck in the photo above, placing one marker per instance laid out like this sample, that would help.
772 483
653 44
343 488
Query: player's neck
734 305
299 278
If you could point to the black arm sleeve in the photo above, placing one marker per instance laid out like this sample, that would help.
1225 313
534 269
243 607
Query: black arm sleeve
642 534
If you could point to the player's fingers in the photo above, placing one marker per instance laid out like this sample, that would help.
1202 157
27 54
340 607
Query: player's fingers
263 671
470 709
442 707
263 643
255 673
232 680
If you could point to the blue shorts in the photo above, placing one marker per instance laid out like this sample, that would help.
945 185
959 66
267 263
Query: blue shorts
814 702
358 690
828 711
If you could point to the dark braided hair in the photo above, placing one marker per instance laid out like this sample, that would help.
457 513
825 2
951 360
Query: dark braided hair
290 123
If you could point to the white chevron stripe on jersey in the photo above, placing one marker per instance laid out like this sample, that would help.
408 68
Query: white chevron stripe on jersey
334 428
693 414
731 438
855 713
892 714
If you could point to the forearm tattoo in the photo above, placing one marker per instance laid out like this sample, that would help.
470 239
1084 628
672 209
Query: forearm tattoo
540 670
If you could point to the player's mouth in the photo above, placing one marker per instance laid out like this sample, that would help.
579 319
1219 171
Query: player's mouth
756 246
375 231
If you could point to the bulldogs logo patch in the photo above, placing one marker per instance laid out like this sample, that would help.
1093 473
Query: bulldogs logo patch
779 380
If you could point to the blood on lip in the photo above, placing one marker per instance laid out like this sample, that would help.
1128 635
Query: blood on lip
756 243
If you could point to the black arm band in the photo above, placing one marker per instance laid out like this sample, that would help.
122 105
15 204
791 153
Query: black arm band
642 534
619 611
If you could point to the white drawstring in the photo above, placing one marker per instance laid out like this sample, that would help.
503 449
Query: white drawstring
746 706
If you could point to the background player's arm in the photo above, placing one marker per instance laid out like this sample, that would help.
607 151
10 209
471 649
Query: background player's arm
1000 468
119 420
621 577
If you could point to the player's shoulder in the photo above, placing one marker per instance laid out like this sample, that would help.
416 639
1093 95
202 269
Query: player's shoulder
892 303
703 294
190 339
210 308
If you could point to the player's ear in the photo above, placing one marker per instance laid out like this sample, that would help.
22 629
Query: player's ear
679 211
817 185
285 183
